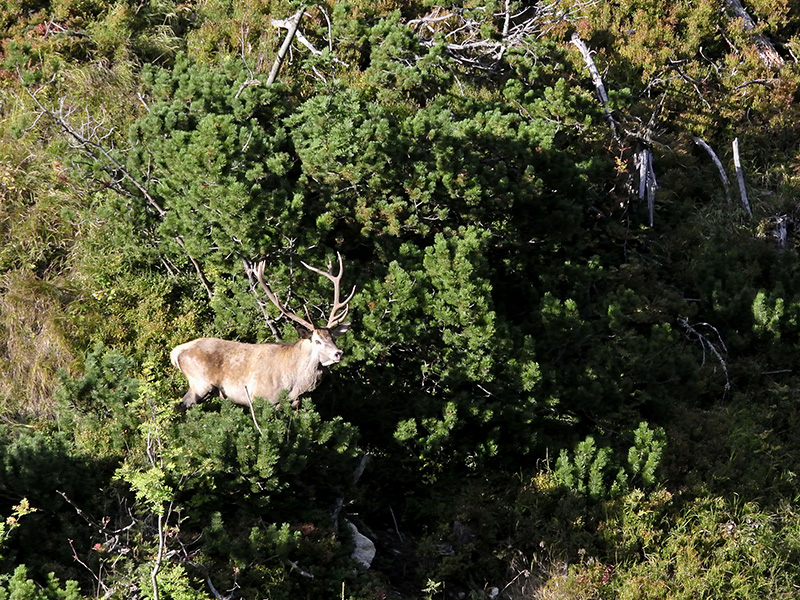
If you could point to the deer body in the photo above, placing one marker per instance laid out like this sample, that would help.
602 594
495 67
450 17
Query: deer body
243 372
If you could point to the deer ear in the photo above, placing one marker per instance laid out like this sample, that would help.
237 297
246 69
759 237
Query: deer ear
339 329
303 332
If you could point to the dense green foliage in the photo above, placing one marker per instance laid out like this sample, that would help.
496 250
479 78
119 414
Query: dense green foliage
556 385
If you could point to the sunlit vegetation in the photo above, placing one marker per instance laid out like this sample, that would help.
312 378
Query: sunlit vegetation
571 371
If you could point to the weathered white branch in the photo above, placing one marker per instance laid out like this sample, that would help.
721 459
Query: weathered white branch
252 411
330 26
465 39
196 265
250 270
295 566
716 347
597 79
159 557
740 177
429 20
590 64
643 160
288 24
723 175
507 20
287 42
780 229
88 142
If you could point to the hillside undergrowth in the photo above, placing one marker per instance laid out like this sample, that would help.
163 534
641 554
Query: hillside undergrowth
570 368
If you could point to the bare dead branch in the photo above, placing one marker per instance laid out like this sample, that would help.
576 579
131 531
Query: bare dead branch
362 466
740 177
250 270
299 570
330 26
643 159
159 557
720 169
288 24
597 79
396 526
778 227
96 576
198 270
244 31
91 146
294 32
507 19
287 42
715 346
252 411
765 82
94 524
216 593
464 38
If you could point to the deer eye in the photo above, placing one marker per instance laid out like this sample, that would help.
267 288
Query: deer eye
317 342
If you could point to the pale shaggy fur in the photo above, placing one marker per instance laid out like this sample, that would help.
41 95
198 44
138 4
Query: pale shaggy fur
243 372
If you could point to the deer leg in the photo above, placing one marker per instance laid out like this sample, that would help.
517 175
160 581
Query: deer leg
190 399
193 396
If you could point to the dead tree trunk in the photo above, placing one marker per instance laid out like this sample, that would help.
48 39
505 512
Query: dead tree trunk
766 49
643 160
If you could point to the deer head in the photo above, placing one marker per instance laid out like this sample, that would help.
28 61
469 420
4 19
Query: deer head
322 338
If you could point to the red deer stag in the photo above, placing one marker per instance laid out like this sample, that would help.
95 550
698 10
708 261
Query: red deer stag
242 372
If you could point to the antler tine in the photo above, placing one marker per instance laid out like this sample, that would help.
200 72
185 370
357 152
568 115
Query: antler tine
274 299
340 309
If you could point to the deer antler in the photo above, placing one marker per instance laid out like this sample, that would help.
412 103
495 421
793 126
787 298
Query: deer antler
340 308
260 277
